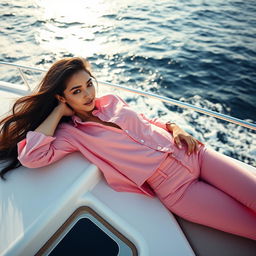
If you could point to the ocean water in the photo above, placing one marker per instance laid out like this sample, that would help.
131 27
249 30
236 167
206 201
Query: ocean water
199 52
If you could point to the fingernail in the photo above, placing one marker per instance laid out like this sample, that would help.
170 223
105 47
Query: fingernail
180 146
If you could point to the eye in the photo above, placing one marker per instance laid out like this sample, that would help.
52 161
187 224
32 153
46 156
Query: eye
77 91
90 84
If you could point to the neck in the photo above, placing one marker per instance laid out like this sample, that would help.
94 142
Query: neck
84 116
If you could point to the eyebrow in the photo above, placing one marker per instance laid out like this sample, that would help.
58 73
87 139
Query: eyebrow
78 86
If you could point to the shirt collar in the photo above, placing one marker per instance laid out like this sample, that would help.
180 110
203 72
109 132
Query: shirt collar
77 120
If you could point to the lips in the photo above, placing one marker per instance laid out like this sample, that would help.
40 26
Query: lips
89 102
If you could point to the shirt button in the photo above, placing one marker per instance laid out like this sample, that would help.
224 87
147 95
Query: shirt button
142 141
159 147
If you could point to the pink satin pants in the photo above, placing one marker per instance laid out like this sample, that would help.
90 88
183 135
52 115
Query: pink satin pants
208 188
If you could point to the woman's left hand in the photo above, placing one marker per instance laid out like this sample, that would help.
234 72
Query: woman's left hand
180 135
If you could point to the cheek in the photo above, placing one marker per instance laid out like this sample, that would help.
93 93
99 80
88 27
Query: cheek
72 100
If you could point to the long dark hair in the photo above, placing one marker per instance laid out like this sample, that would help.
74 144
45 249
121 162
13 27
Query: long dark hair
30 111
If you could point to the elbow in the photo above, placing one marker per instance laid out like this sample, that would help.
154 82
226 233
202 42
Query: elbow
35 159
26 162
29 164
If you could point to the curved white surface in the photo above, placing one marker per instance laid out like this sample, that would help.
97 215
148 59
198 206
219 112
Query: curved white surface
34 203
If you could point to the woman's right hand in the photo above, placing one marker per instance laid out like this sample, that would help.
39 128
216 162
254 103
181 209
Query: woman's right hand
64 109
49 125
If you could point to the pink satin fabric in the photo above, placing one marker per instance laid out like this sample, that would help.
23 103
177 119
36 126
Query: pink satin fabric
212 190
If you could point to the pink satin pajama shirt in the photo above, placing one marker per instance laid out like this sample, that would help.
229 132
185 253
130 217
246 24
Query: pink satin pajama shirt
125 165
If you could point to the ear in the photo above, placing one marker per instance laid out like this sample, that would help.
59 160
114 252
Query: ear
60 98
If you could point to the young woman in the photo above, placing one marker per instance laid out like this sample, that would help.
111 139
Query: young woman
134 153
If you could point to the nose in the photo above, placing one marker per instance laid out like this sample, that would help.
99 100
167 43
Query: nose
86 92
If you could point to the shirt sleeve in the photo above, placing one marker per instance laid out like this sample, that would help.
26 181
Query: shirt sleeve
156 121
38 150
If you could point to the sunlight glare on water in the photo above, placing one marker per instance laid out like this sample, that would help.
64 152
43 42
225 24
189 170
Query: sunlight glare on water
78 40
77 10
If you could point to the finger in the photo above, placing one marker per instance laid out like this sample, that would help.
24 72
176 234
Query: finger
196 146
178 142
189 143
191 146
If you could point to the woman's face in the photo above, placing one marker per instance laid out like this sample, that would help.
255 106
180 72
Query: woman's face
80 93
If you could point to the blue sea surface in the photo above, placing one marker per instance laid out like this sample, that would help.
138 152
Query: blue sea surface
199 52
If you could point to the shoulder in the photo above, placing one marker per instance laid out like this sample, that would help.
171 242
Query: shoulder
111 100
67 132
64 128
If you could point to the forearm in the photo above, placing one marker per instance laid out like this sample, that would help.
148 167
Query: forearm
48 126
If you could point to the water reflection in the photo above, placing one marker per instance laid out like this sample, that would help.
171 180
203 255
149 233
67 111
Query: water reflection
73 25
